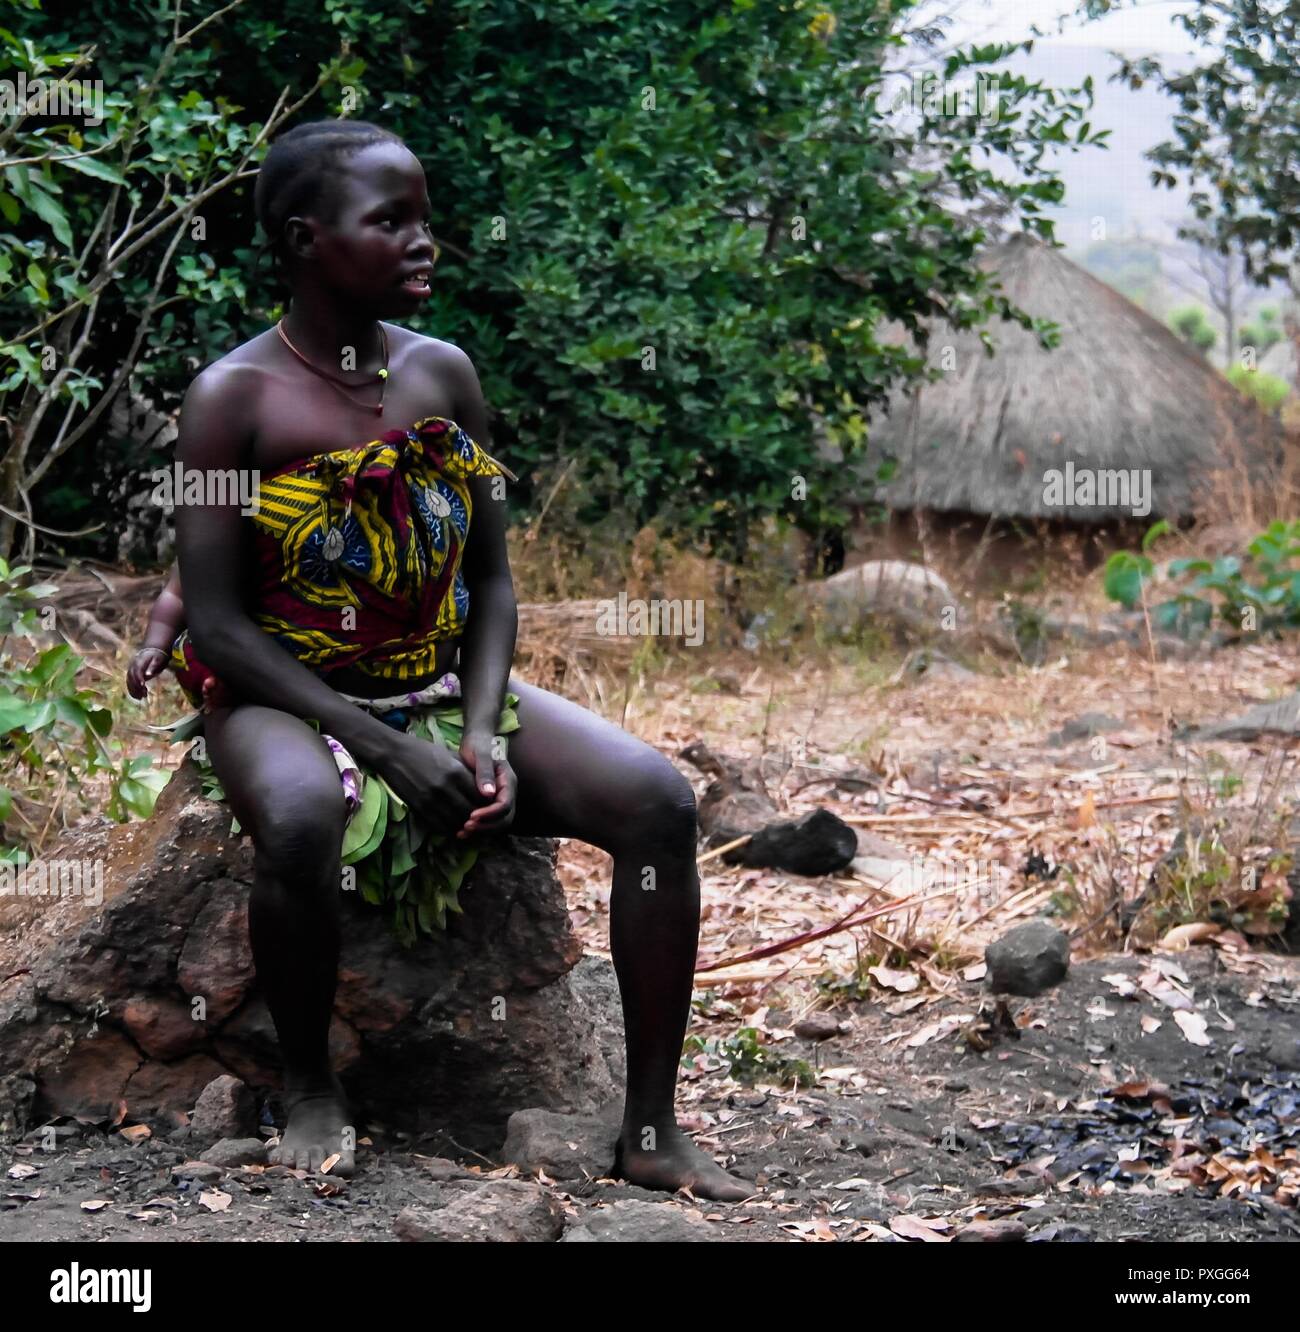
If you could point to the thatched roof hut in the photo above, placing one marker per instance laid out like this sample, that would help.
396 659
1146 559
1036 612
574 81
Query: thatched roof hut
1075 432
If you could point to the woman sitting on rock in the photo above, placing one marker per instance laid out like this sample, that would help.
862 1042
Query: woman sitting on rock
329 630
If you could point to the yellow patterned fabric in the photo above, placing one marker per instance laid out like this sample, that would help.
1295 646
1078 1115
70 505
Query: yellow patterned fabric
358 553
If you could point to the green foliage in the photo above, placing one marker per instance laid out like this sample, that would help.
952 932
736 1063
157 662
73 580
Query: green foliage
853 987
53 734
1124 577
1192 325
1267 390
748 1059
1207 881
1263 331
666 238
114 261
1257 594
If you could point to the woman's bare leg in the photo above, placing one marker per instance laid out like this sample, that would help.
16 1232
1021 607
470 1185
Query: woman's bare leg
283 786
581 776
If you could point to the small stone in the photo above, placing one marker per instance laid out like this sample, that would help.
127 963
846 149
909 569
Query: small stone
498 1211
439 1169
1028 959
868 1203
231 1152
1284 1051
1085 727
225 1109
1061 1232
869 1144
926 664
197 1170
749 1100
818 843
817 1027
635 1222
1006 1231
568 1147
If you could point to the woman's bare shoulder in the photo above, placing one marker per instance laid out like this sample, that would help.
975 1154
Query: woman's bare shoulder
239 370
219 406
436 353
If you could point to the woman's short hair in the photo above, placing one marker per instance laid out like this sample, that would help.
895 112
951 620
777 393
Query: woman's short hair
300 173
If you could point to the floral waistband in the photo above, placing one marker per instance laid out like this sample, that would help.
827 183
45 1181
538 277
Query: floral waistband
396 708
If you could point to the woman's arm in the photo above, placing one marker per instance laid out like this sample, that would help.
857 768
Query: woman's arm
167 618
210 545
488 646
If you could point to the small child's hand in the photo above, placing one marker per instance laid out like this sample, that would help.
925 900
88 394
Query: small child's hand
146 663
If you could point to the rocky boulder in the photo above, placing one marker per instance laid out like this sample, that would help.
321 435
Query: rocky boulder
1280 718
893 589
130 1006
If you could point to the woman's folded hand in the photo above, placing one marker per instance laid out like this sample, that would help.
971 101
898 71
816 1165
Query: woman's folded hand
432 780
495 781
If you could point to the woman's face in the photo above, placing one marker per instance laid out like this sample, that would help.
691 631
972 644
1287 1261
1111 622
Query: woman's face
378 252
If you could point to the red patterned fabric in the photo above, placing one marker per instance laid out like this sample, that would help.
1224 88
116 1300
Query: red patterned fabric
358 556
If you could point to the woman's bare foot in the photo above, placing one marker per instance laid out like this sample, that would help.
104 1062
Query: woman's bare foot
675 1162
318 1118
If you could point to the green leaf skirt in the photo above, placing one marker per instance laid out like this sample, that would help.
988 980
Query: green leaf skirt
395 861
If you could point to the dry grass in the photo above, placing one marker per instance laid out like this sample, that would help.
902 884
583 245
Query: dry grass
965 786
957 780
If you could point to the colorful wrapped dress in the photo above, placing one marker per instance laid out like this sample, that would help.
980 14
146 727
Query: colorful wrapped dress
358 555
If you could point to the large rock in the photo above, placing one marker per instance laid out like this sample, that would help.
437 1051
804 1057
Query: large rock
132 1006
1281 718
894 589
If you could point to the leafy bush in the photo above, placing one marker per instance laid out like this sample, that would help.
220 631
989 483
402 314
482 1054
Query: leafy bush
1267 390
53 734
1210 881
748 1059
1027 625
668 239
1192 325
1264 332
1258 594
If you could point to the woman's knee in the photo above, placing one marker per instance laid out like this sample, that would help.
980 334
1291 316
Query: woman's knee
298 834
283 785
659 807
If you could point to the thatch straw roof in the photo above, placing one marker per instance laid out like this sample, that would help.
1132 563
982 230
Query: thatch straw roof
1119 392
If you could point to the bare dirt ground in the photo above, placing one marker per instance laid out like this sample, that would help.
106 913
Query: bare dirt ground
1151 1095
